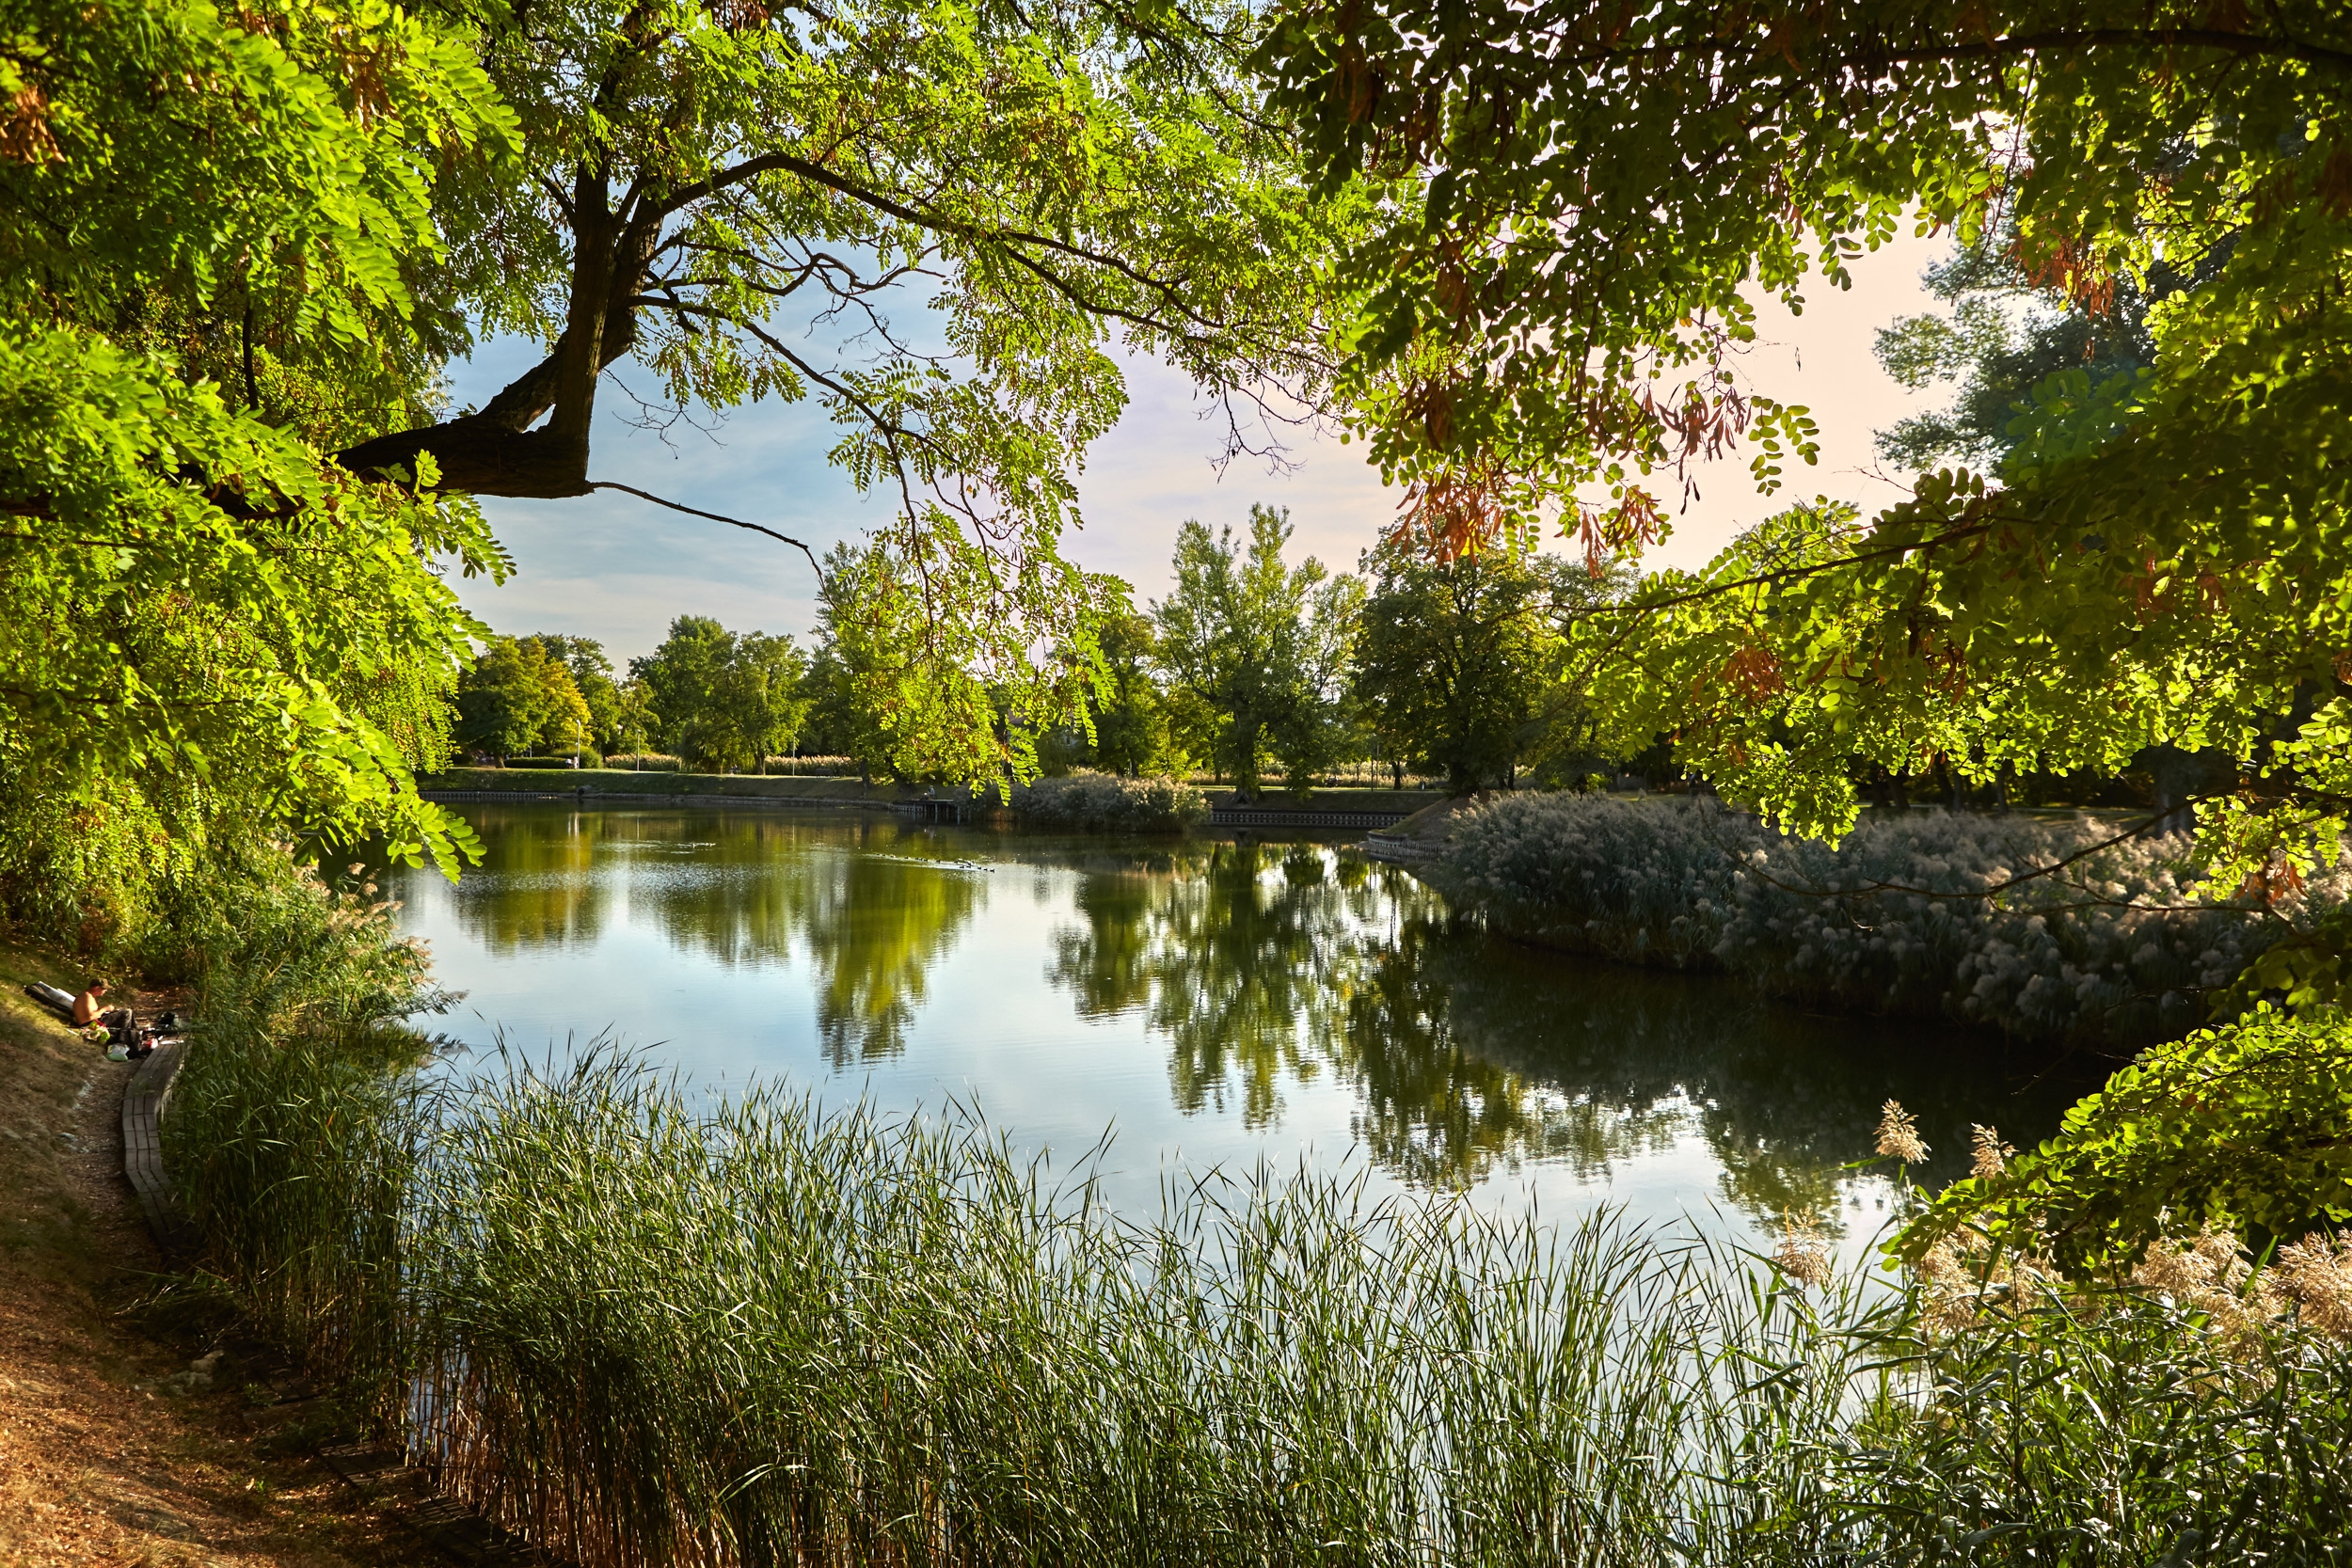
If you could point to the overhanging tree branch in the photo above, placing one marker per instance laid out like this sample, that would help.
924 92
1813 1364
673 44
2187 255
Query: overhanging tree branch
714 516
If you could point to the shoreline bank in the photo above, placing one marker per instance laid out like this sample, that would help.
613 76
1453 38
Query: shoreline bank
1334 810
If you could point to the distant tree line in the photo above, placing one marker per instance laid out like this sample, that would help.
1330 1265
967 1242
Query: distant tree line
720 700
1253 668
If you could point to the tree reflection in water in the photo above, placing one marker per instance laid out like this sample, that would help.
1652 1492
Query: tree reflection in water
871 905
1226 948
1264 966
1469 1055
875 928
536 887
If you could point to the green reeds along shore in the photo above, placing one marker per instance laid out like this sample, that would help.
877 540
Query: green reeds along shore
642 1333
1921 915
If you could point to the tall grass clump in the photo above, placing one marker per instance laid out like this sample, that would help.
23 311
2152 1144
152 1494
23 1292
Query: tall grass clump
2115 950
2196 1410
778 1335
645 1334
293 1135
1087 800
817 767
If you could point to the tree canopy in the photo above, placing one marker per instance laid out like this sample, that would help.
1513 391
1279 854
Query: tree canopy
2004 335
213 237
238 250
935 222
519 697
1455 659
1596 194
724 699
1260 645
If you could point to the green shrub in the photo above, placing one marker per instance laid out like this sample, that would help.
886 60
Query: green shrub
644 762
2244 1127
1087 801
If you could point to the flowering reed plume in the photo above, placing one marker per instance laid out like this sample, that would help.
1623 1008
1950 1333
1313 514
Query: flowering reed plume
1992 1153
1899 1135
2316 1273
1802 1253
1965 1287
2211 1274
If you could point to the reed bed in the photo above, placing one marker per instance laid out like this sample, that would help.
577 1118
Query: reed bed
295 1135
1901 917
770 1334
646 1332
811 767
1093 802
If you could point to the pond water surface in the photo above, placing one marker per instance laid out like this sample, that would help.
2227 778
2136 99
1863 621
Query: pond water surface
1208 1002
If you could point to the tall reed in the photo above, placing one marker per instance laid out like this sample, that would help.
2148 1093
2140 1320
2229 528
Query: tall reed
294 1131
647 1333
779 1334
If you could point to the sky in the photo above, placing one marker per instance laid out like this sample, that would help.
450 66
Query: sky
616 568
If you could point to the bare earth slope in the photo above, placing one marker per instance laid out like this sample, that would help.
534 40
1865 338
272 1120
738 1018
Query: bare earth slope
100 1460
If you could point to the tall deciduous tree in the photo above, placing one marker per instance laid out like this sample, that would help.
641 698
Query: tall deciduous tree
724 699
919 697
590 671
519 698
1127 729
1131 729
1260 646
1454 660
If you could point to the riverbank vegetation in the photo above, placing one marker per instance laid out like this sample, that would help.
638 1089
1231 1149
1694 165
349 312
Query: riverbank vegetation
641 1332
1918 913
1515 251
1101 801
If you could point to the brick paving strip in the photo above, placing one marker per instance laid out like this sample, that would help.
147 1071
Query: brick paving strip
378 1472
144 1100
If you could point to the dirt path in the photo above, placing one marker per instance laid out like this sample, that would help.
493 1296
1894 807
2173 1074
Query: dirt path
113 1449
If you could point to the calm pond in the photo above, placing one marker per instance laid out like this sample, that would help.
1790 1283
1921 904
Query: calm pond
1210 1001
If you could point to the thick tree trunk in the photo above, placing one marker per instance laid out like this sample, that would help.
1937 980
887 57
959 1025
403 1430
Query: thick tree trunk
494 451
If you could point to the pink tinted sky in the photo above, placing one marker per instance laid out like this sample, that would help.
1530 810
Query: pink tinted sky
612 568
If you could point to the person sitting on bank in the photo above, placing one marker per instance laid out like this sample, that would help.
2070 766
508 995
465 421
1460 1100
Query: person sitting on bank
89 1008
